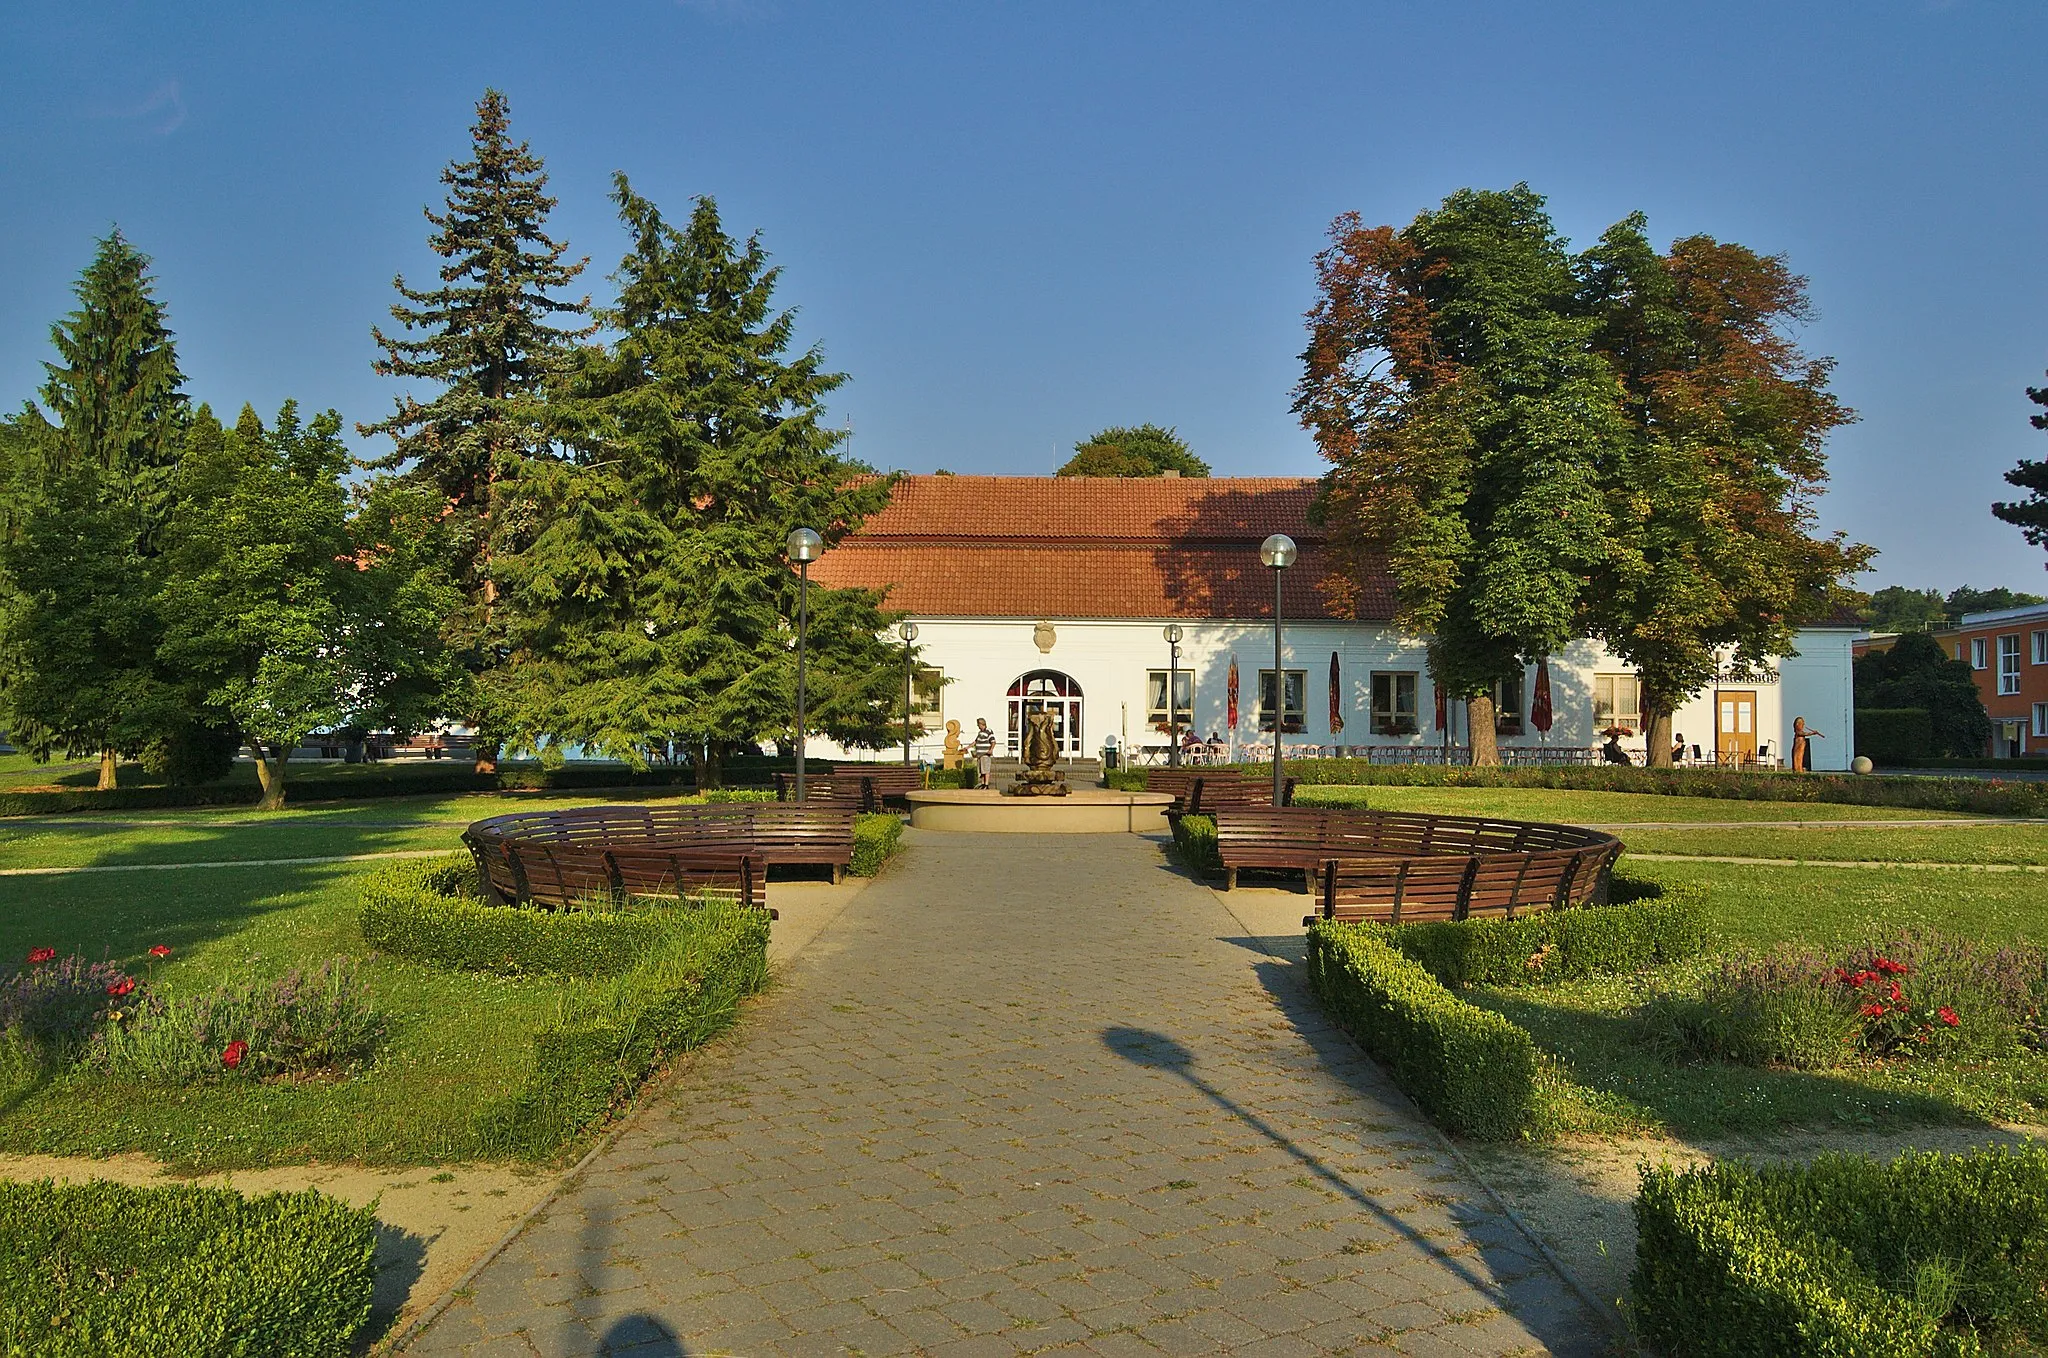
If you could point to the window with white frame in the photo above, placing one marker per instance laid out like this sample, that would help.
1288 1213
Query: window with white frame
2041 719
1297 695
1977 654
2009 663
928 691
1507 707
2041 648
1393 702
1183 695
1617 701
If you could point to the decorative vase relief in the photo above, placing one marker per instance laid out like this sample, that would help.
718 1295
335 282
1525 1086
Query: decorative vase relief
1043 636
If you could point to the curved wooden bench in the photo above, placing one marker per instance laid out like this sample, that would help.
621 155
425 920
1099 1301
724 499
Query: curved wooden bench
561 858
1404 866
880 783
1181 782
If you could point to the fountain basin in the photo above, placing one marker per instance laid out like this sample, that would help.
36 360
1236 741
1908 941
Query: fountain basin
1083 811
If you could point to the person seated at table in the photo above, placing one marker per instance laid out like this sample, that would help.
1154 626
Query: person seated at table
1612 751
1677 747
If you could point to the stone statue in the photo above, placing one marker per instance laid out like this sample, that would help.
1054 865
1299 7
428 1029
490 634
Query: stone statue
953 751
1041 749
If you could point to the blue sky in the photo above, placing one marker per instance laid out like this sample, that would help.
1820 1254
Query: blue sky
1013 224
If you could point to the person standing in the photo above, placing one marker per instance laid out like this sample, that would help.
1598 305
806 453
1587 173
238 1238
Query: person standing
984 752
1802 745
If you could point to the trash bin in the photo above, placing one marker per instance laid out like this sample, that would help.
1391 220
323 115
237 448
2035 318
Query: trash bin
1109 753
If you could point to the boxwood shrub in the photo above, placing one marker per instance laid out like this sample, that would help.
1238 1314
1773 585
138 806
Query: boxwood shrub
1931 1254
91 1269
432 910
1195 838
1471 1070
875 839
682 993
1651 924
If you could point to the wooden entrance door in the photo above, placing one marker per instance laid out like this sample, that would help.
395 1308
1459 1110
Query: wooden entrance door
1735 727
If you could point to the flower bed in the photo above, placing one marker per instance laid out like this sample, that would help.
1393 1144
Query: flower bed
92 1269
1929 1255
1922 994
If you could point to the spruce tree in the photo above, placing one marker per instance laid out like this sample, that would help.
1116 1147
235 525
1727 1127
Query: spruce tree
484 336
651 602
91 485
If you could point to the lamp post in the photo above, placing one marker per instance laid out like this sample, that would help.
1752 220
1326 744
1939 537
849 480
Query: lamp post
803 547
908 631
1172 634
1278 552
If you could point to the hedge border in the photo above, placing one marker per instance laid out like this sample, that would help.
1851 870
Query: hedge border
204 1272
433 911
1813 1261
1471 1070
877 835
681 996
1653 923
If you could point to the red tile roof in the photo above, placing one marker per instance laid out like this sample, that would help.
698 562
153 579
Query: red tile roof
1094 547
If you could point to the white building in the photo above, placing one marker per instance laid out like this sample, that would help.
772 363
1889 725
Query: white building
1045 591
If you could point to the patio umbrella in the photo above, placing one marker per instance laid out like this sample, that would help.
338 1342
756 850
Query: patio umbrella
1230 692
1539 706
1336 697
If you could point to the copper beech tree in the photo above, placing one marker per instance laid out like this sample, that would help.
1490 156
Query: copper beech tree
1541 446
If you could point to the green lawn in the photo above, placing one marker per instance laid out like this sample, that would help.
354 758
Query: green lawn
1596 808
2016 843
1603 1078
456 1040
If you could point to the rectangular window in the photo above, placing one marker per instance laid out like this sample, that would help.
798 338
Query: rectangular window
2041 648
1297 694
2041 719
1977 654
928 691
1617 701
1507 707
2009 664
1393 702
1183 695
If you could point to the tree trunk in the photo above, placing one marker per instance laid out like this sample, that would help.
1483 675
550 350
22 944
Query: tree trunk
1479 717
486 755
706 768
108 770
270 774
1656 736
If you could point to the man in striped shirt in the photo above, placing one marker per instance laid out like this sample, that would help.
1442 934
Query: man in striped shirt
984 751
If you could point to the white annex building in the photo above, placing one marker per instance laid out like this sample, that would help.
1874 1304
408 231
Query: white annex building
1054 592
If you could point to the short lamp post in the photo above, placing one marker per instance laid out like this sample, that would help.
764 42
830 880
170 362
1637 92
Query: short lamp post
1172 633
804 547
1278 552
908 631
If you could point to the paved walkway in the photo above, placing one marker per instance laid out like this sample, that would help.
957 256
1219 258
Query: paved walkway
1025 1093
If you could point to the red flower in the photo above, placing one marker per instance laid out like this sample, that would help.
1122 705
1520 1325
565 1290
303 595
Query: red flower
37 956
1891 968
1897 996
236 1050
1872 1011
121 987
1948 1016
159 951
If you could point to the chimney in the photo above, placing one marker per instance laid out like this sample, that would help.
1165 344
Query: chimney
1169 472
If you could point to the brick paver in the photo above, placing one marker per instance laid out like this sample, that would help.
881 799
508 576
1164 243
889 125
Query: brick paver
1025 1094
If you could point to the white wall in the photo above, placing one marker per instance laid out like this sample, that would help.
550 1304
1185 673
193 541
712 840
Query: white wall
981 658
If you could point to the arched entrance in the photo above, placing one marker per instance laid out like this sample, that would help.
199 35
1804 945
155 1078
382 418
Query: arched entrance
1048 691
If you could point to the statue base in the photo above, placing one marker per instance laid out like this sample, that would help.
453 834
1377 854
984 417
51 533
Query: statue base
1038 783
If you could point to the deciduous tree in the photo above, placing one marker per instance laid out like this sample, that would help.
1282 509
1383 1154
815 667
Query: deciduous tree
1146 450
1714 550
1470 428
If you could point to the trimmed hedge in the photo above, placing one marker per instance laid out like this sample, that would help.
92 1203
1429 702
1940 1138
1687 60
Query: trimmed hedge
875 840
1195 838
1991 797
1651 924
683 993
1931 1254
1894 735
432 910
91 1269
1471 1070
